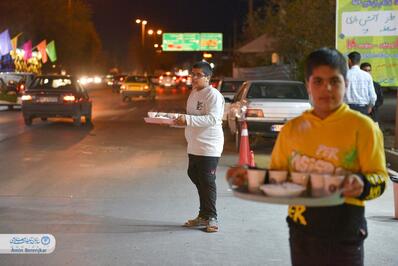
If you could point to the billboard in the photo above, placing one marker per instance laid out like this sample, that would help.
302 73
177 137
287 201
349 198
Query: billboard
192 42
370 28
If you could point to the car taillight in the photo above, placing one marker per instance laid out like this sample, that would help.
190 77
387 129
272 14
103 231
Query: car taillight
69 98
21 88
26 97
254 113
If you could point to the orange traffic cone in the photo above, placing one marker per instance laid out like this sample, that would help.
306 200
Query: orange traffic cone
244 147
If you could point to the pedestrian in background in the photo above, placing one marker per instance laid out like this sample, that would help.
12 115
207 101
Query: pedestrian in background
379 92
360 94
205 138
312 143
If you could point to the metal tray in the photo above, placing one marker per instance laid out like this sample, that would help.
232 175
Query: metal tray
159 120
332 200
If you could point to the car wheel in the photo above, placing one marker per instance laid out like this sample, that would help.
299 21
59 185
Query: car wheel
77 120
253 139
28 120
44 119
88 119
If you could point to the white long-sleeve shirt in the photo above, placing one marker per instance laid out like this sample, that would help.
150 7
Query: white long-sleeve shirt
360 88
204 132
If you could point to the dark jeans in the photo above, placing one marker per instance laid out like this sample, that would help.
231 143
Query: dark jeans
360 108
202 172
375 114
308 250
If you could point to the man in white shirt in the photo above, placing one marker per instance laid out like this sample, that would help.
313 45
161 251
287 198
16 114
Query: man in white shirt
360 94
205 138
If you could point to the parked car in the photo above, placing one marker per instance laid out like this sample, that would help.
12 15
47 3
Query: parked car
214 82
228 87
266 106
56 96
137 86
12 87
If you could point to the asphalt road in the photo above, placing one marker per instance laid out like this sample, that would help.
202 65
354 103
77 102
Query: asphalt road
116 193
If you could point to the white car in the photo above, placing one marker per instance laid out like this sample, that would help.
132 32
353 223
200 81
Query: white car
266 105
228 87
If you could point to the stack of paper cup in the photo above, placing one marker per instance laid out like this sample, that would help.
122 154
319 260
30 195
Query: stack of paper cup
255 178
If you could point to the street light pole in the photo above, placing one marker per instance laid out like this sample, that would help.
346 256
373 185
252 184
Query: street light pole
143 24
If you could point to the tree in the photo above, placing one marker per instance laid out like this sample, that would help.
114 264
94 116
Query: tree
77 42
298 27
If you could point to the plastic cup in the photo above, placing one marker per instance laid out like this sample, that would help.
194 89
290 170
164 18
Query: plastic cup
332 183
300 178
318 185
277 176
255 178
152 114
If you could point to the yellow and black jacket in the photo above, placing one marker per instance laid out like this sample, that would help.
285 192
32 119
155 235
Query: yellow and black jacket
344 142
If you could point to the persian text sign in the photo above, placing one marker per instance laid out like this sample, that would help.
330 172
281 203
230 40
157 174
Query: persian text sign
370 28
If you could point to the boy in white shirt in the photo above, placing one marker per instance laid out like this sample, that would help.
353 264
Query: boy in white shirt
205 138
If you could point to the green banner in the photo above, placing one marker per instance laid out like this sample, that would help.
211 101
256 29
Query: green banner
52 54
192 42
370 28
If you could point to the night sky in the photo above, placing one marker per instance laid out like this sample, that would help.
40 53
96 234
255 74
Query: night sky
115 19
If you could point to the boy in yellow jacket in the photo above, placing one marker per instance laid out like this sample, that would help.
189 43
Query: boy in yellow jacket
330 139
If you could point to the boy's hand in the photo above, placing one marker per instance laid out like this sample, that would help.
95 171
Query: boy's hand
180 121
236 176
353 186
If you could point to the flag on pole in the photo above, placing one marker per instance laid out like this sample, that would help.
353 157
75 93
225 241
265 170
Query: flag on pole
42 49
52 54
5 43
14 42
28 50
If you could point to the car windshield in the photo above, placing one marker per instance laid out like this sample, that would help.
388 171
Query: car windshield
230 86
13 77
136 79
52 84
277 91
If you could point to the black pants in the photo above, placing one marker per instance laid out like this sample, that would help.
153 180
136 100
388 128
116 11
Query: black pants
307 250
202 172
360 108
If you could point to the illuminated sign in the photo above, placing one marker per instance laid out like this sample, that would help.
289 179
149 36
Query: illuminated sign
370 28
192 42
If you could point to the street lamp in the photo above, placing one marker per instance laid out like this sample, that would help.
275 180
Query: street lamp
150 32
159 32
156 45
143 23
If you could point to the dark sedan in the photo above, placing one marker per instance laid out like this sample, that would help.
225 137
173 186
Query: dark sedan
56 96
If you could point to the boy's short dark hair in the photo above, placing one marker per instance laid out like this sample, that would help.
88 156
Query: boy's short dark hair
206 67
325 57
355 57
365 64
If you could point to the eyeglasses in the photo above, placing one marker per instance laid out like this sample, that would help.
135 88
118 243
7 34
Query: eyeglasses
197 75
367 69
